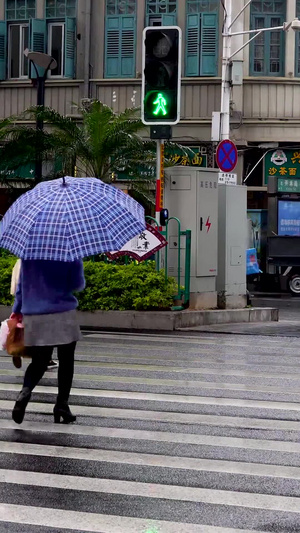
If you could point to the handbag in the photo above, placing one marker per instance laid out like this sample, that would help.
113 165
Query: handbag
15 338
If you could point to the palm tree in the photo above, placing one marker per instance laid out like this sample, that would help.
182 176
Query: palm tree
98 144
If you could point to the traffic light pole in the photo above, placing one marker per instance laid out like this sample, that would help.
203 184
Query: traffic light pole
159 179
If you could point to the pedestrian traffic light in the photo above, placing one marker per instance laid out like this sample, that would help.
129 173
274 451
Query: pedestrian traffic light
161 75
163 217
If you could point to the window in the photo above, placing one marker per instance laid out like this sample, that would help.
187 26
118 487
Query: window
18 40
56 46
297 67
202 37
161 12
61 32
267 50
20 9
60 8
120 7
15 37
120 37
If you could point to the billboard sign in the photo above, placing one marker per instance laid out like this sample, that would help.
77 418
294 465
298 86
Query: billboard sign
288 218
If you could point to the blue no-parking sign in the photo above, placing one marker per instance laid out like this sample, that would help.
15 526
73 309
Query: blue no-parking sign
226 156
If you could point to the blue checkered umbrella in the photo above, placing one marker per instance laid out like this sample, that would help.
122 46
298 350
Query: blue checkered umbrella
70 218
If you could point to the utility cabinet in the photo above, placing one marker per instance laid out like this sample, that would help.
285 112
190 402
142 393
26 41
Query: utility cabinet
232 237
191 195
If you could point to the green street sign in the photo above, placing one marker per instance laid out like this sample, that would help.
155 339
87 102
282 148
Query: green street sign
282 163
178 158
288 185
24 172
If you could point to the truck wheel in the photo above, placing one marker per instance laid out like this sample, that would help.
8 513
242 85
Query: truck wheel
294 285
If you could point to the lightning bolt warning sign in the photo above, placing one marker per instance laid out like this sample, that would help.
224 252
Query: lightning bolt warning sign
208 224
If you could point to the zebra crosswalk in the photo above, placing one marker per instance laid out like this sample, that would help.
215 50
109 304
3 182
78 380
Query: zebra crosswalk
174 434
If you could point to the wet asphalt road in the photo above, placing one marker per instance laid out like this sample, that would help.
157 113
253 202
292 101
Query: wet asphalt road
194 433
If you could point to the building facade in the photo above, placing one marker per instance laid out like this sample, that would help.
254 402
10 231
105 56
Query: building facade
98 43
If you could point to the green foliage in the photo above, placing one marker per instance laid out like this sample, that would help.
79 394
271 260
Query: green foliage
7 263
125 287
109 286
101 140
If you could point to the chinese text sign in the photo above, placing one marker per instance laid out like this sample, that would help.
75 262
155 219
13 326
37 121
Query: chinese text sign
288 218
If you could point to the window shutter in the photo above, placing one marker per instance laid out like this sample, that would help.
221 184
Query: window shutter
3 47
112 47
70 47
37 41
169 19
128 47
192 45
209 45
297 56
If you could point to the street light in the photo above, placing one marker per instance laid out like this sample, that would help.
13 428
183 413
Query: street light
228 55
46 62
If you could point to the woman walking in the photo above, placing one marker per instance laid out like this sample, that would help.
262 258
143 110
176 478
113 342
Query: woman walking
15 276
46 303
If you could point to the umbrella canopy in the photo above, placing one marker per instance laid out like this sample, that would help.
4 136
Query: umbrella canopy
70 218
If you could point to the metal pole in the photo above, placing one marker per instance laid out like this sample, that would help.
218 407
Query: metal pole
225 91
158 181
39 126
39 122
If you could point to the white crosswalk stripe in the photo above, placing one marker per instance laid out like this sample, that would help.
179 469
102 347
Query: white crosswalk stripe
203 440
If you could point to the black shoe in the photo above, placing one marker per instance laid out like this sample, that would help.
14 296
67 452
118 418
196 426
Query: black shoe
63 411
52 365
20 405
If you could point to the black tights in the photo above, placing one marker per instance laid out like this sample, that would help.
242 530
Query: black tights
41 355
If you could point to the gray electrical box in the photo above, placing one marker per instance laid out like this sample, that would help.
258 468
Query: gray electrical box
232 238
191 194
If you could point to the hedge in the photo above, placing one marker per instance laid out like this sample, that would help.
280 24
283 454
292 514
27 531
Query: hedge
110 286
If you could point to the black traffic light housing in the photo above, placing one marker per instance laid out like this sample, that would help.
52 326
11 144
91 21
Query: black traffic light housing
161 76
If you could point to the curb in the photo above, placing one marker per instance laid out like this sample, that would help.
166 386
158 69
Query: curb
166 320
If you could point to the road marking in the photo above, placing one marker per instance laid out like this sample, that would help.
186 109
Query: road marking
220 386
159 416
167 398
99 523
156 436
152 460
153 490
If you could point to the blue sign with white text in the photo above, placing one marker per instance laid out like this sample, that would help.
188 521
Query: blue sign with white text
288 218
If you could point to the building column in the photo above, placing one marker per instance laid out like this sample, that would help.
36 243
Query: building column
2 9
98 39
140 24
40 9
181 18
290 40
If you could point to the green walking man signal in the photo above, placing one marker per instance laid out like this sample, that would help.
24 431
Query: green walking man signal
160 103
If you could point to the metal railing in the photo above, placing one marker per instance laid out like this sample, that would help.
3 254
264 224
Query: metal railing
183 293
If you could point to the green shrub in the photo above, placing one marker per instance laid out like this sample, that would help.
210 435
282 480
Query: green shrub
125 287
7 263
110 287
